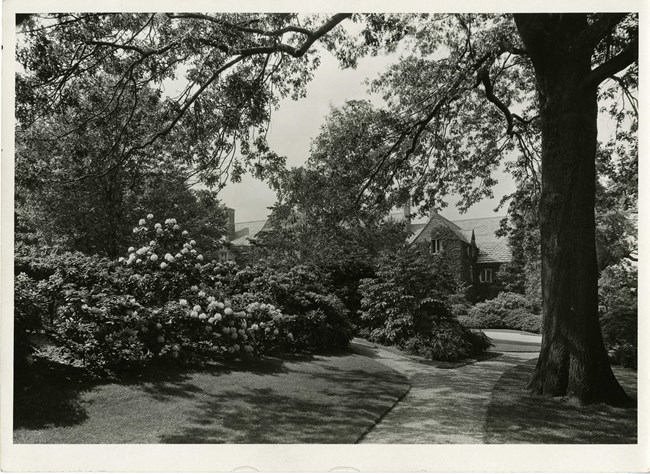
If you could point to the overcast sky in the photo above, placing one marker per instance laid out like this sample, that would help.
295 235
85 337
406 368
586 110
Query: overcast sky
297 122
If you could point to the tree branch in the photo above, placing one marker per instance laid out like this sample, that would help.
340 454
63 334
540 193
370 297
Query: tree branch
484 78
312 37
616 64
128 47
599 29
243 29
168 128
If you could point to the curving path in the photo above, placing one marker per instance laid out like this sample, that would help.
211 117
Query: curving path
447 402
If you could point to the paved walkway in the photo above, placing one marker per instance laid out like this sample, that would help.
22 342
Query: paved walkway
447 403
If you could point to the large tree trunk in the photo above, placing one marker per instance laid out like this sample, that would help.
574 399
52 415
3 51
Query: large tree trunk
573 359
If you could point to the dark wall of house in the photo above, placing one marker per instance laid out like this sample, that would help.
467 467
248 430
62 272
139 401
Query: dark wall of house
484 291
454 251
463 266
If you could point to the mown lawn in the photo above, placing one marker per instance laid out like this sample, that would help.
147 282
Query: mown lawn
319 399
515 416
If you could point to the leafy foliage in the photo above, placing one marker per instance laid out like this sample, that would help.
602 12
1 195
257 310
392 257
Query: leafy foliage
233 68
163 301
619 312
506 311
27 319
406 304
318 318
318 220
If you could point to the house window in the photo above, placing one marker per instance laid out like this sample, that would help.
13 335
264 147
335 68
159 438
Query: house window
436 246
224 255
485 276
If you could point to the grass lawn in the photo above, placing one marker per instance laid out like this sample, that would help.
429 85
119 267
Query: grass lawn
319 399
514 416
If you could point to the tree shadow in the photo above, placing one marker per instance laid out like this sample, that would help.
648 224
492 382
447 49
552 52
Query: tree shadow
516 416
47 394
333 407
51 393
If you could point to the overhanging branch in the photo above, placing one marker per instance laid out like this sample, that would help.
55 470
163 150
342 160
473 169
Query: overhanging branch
312 37
484 78
616 64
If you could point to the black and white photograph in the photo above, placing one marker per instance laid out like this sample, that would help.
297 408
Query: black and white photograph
378 230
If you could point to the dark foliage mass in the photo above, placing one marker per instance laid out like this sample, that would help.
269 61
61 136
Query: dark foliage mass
619 312
407 305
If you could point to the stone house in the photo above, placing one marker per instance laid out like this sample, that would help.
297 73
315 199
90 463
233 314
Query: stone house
471 246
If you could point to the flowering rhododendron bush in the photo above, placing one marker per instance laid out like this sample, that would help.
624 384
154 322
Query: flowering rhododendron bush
162 300
165 262
317 317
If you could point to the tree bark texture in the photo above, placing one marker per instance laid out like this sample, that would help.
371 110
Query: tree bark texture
573 360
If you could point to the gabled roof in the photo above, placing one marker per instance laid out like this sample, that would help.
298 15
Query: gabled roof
492 249
415 230
246 230
435 221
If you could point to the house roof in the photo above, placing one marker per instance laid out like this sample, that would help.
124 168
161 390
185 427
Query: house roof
492 249
414 227
435 221
246 230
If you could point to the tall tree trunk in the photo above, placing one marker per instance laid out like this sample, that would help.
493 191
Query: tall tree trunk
573 360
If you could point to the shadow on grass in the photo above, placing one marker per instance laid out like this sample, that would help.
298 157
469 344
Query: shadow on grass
329 405
51 394
47 394
515 416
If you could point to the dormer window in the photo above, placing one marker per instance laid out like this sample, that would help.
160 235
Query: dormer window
436 246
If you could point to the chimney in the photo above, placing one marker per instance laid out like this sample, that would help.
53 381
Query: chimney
407 212
407 215
230 223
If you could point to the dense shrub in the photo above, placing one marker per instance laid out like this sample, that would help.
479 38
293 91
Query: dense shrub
317 315
618 312
27 319
163 301
406 305
506 311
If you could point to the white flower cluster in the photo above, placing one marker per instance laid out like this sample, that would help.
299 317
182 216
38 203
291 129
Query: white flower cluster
147 252
234 325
